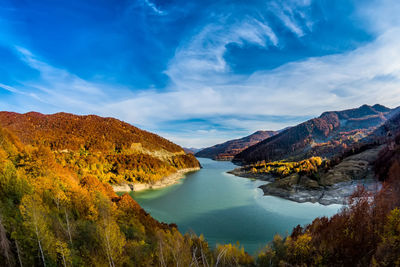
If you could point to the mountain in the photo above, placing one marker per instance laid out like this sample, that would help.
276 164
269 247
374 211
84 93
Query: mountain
387 167
56 209
329 173
227 150
113 150
191 150
390 128
366 207
69 131
328 135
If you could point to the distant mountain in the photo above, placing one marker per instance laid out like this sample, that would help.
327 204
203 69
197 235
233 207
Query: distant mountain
126 153
387 167
390 128
227 150
191 150
328 135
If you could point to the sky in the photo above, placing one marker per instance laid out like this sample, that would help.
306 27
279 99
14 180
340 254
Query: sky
199 72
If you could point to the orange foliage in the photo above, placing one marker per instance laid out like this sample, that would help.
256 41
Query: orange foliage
107 148
67 131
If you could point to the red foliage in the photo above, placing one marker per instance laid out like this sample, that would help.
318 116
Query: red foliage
67 131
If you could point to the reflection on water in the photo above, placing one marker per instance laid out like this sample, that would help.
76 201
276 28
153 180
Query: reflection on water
226 208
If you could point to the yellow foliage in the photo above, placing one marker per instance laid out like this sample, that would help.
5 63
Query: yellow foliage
232 255
283 168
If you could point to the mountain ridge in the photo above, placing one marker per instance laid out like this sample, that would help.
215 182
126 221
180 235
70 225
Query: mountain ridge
327 135
228 149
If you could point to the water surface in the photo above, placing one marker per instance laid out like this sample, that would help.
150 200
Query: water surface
226 208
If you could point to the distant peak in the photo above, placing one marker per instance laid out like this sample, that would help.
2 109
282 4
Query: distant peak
380 108
33 113
365 106
261 132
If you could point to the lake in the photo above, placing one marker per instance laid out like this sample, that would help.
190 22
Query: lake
226 209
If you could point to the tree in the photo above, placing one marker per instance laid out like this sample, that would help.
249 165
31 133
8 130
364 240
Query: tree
5 243
35 215
112 240
388 251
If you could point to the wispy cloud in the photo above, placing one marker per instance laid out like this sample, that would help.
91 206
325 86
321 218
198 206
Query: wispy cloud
203 55
57 89
152 6
9 88
203 85
293 14
308 87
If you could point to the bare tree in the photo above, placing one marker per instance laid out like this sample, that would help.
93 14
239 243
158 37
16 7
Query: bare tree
160 247
221 254
18 253
4 242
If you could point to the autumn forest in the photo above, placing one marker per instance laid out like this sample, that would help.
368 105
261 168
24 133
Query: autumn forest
58 207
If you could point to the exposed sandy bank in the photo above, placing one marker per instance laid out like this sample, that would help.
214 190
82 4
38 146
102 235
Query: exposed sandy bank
164 182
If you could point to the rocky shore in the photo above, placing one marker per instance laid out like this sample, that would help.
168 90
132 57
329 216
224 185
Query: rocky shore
335 194
333 187
326 195
164 182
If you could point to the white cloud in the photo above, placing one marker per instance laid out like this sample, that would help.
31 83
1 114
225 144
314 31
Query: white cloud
369 74
9 88
59 89
287 11
203 55
203 86
154 8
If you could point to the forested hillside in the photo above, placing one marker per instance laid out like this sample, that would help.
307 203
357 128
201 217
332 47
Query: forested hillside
50 216
56 210
326 136
227 150
112 150
366 233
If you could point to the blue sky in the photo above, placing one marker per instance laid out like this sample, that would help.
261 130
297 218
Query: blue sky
199 72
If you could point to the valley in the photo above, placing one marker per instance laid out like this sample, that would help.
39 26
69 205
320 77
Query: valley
227 209
60 174
188 133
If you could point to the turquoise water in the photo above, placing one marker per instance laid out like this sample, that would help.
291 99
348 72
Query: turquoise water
226 208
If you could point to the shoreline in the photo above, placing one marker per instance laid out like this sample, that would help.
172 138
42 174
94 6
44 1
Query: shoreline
164 182
243 174
334 186
337 193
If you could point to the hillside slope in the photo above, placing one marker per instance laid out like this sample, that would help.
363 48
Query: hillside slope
113 150
326 136
227 150
52 216
363 233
